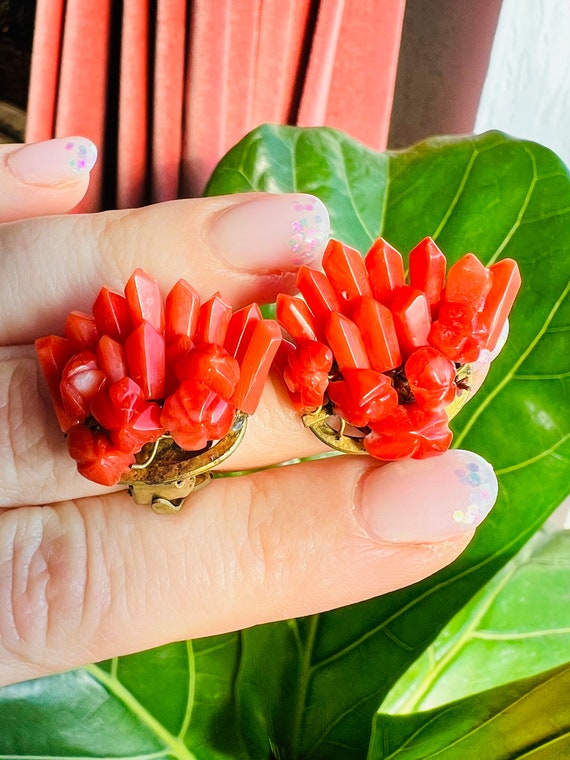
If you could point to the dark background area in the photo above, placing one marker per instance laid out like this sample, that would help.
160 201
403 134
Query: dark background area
444 55
16 32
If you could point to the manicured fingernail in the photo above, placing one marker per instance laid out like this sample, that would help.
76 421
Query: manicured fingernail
273 231
427 500
53 162
486 357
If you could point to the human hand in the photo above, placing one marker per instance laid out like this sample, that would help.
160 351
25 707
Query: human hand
86 574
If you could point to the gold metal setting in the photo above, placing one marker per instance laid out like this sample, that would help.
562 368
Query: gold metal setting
335 433
164 474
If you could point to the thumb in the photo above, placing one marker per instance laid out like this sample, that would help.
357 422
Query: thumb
48 177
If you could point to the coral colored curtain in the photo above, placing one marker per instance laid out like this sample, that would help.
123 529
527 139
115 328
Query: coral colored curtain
166 87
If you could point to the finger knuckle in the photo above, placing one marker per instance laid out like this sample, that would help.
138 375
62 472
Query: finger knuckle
44 576
24 448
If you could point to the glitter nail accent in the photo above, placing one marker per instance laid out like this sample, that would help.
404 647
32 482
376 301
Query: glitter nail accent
308 232
82 158
481 496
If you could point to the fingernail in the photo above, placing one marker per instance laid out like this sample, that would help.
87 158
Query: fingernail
53 162
273 231
427 500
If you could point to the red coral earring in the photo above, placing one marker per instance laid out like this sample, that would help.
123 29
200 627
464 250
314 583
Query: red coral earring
156 394
377 365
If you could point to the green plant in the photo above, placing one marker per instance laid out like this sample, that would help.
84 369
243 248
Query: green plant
311 688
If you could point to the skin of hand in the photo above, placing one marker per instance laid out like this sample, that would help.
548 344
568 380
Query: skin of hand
85 573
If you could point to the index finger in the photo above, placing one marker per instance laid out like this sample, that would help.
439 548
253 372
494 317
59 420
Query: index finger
246 246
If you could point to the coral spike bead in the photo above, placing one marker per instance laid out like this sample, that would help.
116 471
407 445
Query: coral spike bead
345 340
294 315
240 329
376 325
145 300
468 282
181 312
111 358
81 330
146 360
427 270
317 292
112 315
346 272
385 268
500 299
53 354
213 320
256 363
412 320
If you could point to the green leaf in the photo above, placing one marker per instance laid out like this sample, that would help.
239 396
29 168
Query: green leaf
527 719
310 688
173 702
493 196
517 626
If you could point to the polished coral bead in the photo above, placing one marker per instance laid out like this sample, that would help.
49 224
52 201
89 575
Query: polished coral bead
409 431
427 270
81 330
111 358
317 292
96 456
81 380
362 396
195 415
385 268
146 360
506 281
144 299
346 272
294 315
213 319
240 329
376 325
411 314
431 377
306 373
468 282
130 420
345 340
454 333
112 316
181 313
256 364
211 365
53 354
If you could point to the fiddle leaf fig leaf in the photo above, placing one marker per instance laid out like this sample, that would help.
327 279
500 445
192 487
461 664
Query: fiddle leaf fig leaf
517 626
311 688
493 196
527 718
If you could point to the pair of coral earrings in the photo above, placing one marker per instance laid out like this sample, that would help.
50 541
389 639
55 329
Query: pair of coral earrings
155 393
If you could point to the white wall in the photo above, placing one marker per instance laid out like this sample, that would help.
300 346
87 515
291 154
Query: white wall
527 88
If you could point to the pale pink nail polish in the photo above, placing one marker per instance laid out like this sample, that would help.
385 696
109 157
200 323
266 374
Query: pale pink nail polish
53 162
278 232
426 500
